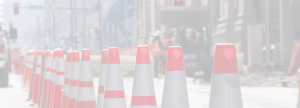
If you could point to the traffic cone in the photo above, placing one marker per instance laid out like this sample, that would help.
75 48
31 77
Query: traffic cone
59 82
30 68
143 95
25 69
52 80
20 65
175 93
102 78
32 75
74 80
86 94
67 78
114 96
225 87
47 75
37 77
295 60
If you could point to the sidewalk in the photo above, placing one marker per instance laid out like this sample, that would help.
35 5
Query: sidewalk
14 96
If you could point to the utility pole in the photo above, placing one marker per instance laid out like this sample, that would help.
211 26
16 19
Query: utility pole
100 25
125 24
267 24
71 20
53 19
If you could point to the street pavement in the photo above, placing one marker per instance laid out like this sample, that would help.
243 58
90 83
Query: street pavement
15 96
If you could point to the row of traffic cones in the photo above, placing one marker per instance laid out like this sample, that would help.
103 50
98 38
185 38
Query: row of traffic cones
69 83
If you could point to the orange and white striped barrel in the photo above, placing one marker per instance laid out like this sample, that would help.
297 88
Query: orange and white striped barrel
37 77
175 90
59 82
52 79
68 74
86 93
47 74
20 65
25 68
30 68
114 95
102 78
74 80
225 86
143 94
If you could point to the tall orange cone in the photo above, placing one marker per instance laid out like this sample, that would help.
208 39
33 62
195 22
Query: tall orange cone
102 78
175 93
37 77
114 95
225 87
32 75
86 94
295 60
52 80
25 69
59 81
143 95
46 79
74 80
67 78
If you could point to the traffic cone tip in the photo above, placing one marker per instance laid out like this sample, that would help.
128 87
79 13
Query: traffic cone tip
225 59
69 56
113 56
104 56
76 57
143 56
175 59
85 55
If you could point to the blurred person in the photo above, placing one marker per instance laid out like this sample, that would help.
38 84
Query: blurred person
167 42
159 60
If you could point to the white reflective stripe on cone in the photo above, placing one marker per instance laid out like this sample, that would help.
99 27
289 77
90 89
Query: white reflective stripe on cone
60 80
74 77
100 100
61 65
68 75
225 91
102 75
38 69
86 94
86 71
175 90
73 92
114 103
143 82
114 77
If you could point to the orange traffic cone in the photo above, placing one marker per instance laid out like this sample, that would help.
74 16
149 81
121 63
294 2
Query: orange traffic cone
74 80
52 79
175 90
20 65
31 81
225 86
114 96
25 69
102 78
67 78
59 81
86 94
295 60
47 75
30 68
143 95
37 77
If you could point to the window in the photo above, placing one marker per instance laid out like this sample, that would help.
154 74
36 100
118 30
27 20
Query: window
224 9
